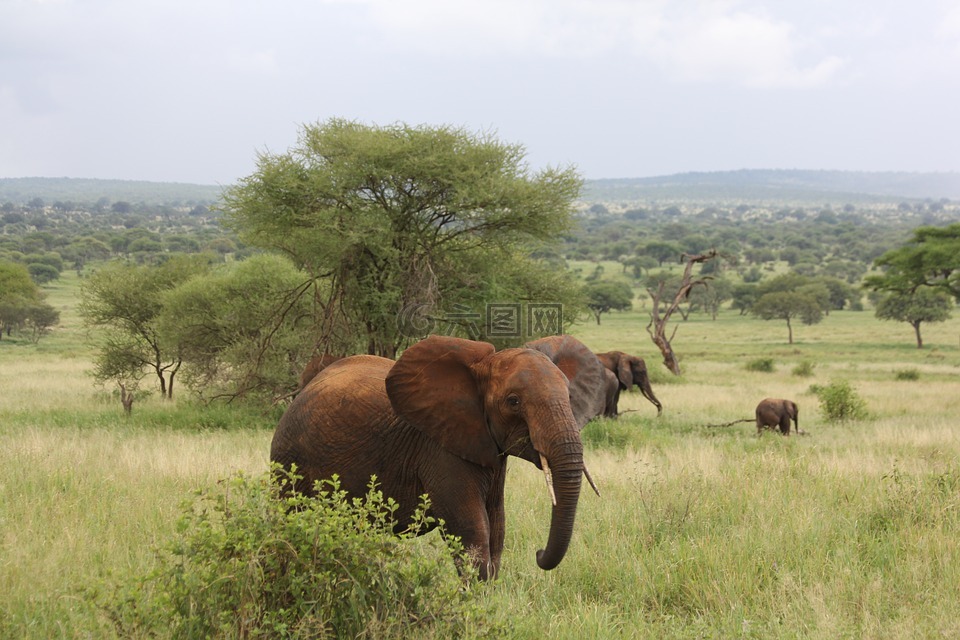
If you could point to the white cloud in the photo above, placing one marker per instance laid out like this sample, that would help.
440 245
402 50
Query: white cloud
559 28
948 29
744 48
217 79
712 41
262 61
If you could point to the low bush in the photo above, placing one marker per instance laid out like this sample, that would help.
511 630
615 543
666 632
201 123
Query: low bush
763 365
249 563
840 402
803 369
906 374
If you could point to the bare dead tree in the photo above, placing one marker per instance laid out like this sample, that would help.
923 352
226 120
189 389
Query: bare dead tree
664 307
126 398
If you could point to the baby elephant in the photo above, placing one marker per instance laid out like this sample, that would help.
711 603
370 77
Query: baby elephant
774 412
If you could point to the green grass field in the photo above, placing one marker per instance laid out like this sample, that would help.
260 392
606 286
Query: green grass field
702 531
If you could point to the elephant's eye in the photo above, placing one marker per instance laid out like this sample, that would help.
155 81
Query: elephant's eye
513 401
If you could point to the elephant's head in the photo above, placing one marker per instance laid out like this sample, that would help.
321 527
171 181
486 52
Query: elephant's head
793 412
583 370
630 370
480 405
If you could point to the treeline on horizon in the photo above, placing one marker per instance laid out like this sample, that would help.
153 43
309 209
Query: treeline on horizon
806 234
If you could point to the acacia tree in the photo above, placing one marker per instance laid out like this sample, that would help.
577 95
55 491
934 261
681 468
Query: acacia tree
660 251
242 328
21 303
916 307
790 297
931 258
710 298
605 296
390 218
788 306
125 301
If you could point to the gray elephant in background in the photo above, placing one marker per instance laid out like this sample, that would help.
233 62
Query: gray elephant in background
626 370
588 388
777 412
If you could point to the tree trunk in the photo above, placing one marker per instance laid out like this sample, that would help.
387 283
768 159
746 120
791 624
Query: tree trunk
789 332
163 383
126 399
916 329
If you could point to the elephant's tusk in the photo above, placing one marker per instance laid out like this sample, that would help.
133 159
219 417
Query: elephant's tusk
590 480
549 477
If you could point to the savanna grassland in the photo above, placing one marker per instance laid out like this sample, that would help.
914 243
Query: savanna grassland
702 531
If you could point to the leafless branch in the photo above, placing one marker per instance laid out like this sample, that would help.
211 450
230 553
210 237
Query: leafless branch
658 323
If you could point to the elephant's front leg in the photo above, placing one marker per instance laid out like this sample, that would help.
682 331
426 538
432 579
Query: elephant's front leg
785 425
497 519
458 495
470 522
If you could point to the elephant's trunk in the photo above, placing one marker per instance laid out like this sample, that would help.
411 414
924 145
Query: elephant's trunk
565 461
647 392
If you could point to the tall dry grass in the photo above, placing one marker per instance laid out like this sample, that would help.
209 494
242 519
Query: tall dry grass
702 531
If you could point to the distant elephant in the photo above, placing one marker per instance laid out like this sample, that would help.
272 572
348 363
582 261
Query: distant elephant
588 392
628 371
442 421
315 366
774 412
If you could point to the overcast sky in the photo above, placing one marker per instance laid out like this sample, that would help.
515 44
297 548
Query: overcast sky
192 90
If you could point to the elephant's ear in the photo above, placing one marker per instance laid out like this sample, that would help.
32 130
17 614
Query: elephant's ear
624 372
434 387
583 370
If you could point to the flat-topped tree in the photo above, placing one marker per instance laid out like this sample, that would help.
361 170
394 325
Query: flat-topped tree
394 217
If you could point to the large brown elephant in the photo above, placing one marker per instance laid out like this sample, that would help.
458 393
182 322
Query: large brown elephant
777 412
588 392
441 421
627 371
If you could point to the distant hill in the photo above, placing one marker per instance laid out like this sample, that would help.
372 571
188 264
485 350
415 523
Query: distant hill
778 185
747 185
89 191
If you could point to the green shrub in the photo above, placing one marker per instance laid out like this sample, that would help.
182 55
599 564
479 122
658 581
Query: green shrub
907 374
803 369
248 563
763 365
839 401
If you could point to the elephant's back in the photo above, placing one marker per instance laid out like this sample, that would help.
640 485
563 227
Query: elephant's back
364 369
352 385
607 361
330 425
